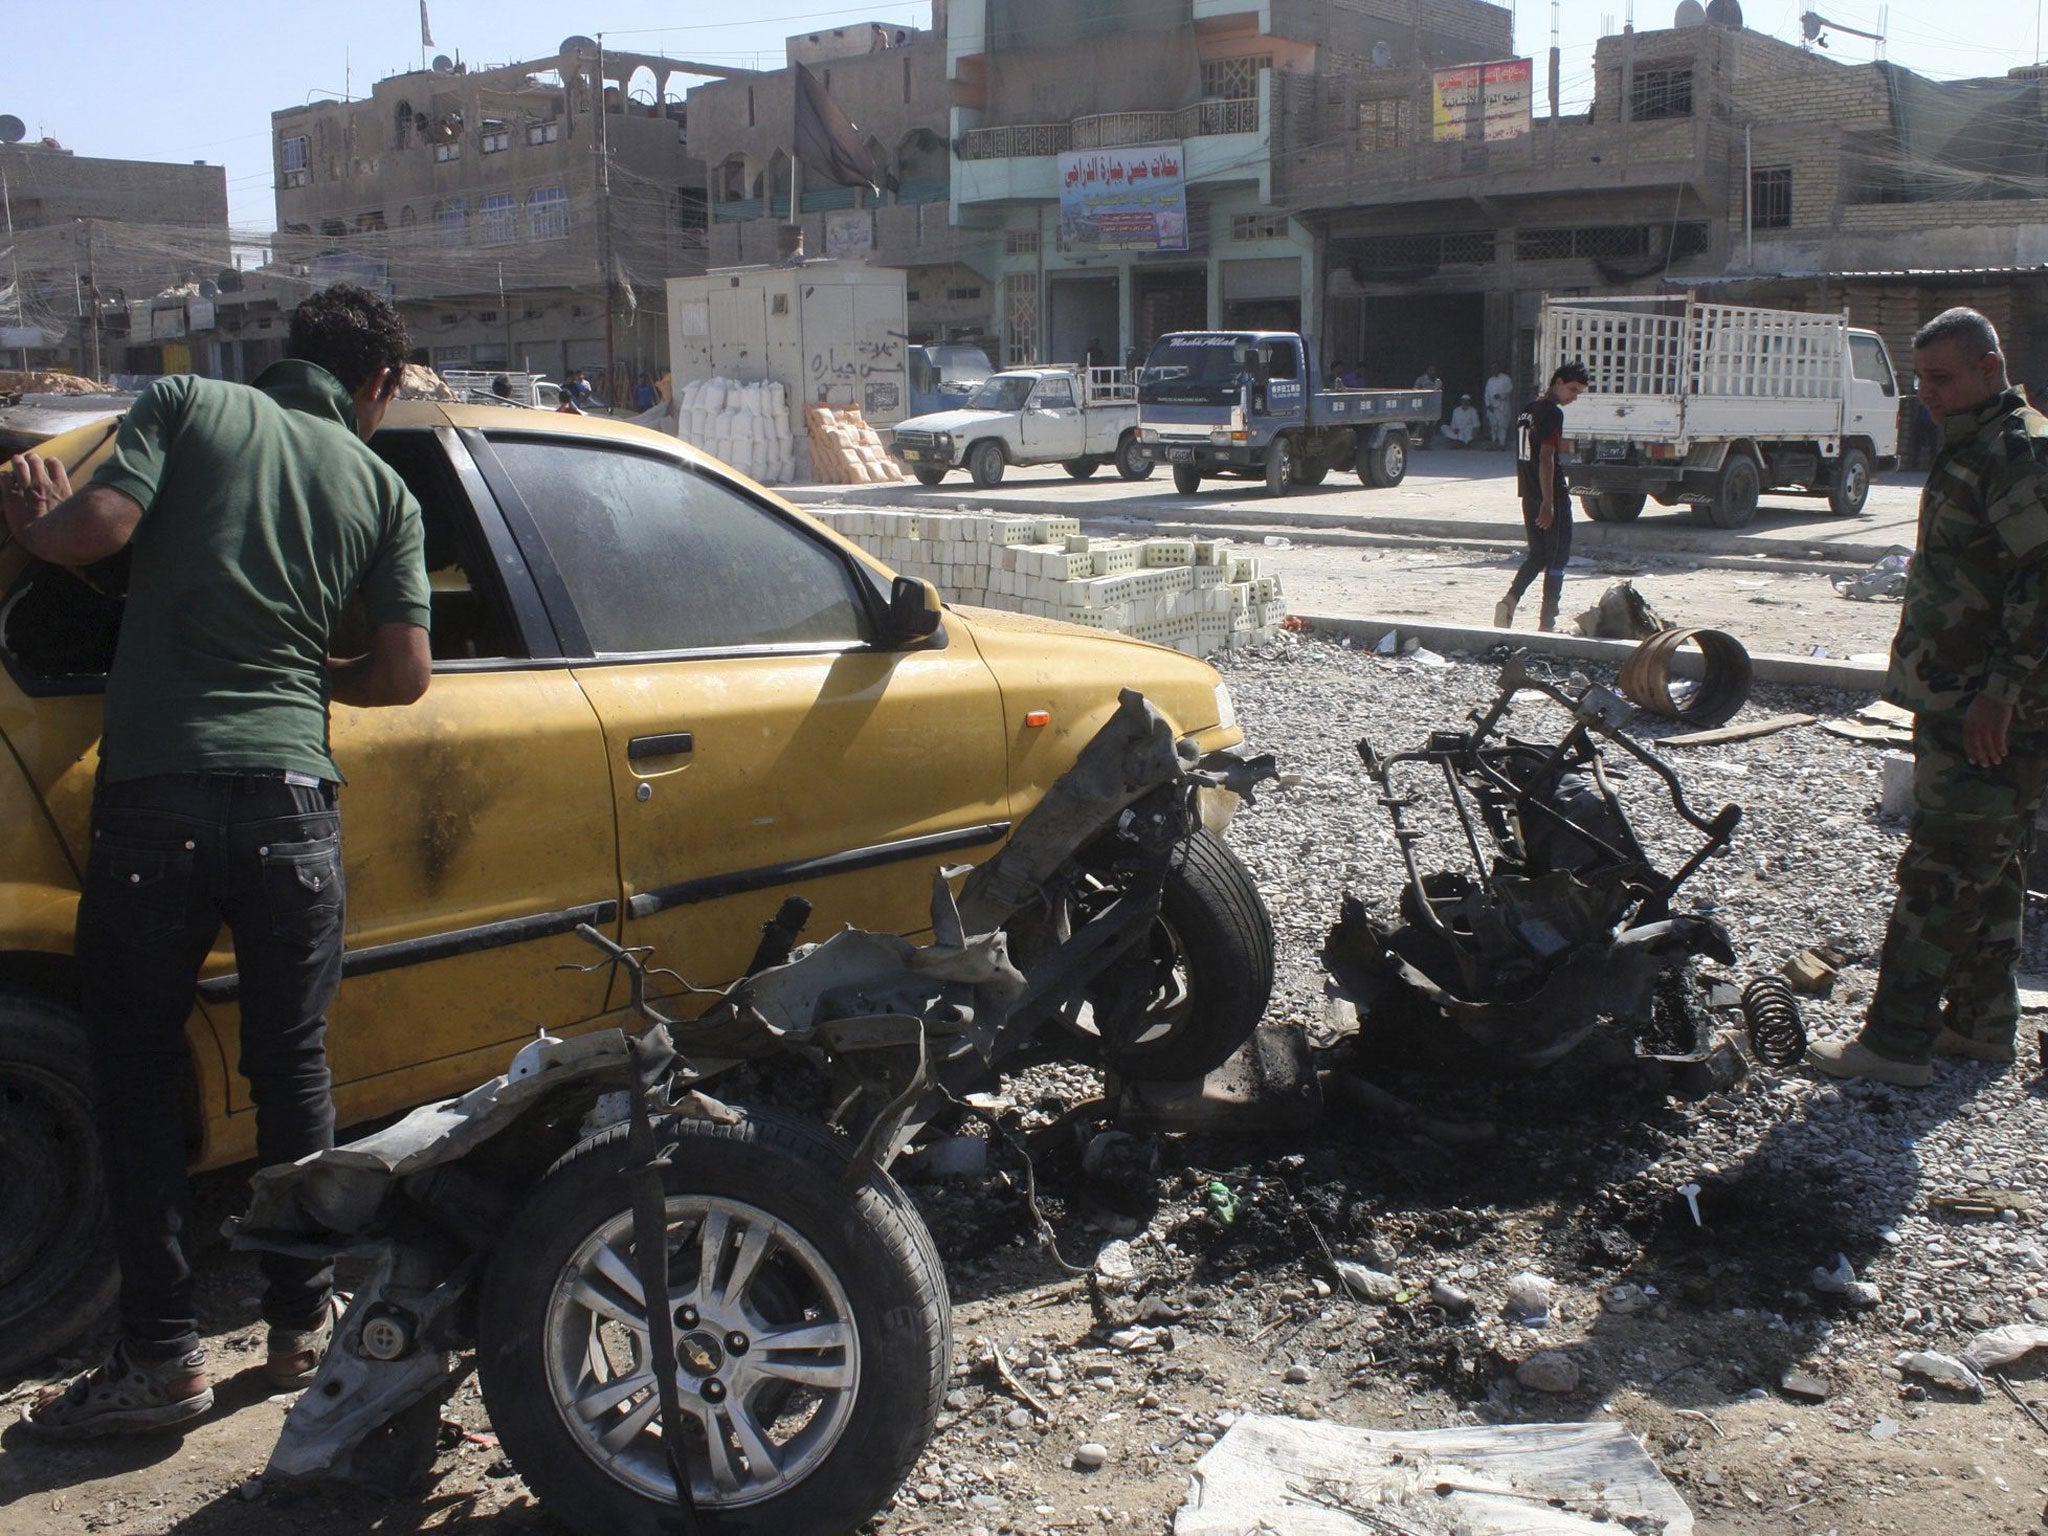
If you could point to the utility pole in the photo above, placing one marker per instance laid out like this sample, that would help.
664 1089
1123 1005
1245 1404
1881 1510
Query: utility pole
14 253
604 214
92 304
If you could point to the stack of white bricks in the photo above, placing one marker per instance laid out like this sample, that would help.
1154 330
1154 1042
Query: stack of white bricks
1196 595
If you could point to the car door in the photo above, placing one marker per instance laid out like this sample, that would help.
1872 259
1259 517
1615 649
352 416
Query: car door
1872 409
761 742
1052 426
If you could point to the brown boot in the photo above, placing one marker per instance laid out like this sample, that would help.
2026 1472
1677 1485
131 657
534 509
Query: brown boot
1546 616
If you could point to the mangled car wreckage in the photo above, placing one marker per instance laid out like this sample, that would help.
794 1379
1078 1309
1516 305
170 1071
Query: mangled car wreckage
791 1372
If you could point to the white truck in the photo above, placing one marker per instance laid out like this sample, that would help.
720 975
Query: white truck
479 386
1711 405
1081 418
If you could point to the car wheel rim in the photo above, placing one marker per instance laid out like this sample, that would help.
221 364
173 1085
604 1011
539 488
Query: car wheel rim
45 1130
1397 460
767 1354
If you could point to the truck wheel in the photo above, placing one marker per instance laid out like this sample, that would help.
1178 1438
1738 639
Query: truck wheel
1310 474
1385 463
1081 469
985 463
1852 482
1186 479
814 1321
1131 462
1734 503
1280 467
1616 506
57 1272
927 475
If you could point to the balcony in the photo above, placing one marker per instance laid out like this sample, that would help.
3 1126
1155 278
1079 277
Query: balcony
1110 130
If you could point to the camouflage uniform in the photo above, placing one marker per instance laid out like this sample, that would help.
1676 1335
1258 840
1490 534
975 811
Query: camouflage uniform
1975 621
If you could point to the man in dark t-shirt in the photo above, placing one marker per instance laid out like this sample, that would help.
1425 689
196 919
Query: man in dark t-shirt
253 515
1546 508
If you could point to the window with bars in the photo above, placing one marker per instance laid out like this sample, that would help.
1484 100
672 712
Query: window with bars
452 219
498 219
1020 319
1655 93
547 214
1455 248
543 133
1770 197
449 151
1020 242
1234 79
495 139
1383 122
1258 226
291 159
1610 242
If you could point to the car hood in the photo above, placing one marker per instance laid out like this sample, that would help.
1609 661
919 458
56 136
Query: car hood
958 423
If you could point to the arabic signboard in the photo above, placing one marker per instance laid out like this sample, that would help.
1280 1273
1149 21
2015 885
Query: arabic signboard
1483 101
1127 199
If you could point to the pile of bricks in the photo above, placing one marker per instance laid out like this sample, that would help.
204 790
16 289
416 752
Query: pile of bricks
845 449
1196 595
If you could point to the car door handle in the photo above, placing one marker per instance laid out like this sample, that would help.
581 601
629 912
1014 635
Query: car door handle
673 744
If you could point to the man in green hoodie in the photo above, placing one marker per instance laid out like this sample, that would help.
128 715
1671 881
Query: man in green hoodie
252 516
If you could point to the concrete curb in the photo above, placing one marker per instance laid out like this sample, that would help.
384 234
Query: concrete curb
1658 537
1799 671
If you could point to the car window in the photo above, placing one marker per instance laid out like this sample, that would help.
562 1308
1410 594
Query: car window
1001 392
1866 356
471 619
658 556
1055 392
1279 358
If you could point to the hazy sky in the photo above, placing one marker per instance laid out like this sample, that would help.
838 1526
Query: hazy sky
176 82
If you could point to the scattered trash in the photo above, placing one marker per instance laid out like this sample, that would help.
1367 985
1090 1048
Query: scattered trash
1448 1296
1622 613
1425 657
2001 1346
1274 541
1745 732
1528 1297
1884 1429
1218 1200
1269 1081
1723 685
1690 1193
1896 797
1368 1284
1982 1200
1310 1478
1886 578
1389 644
1841 1281
1942 1370
1777 1034
1807 972
1550 1371
1798 1383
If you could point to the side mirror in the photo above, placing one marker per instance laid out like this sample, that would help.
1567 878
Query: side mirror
913 609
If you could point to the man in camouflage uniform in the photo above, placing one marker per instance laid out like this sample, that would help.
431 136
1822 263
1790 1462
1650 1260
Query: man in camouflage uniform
1971 662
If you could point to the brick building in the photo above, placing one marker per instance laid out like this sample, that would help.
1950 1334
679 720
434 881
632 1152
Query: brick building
129 228
488 203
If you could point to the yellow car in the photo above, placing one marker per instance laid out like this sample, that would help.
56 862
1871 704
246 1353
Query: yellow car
663 701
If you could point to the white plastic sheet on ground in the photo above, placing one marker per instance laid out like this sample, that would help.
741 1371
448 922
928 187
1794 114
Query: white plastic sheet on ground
1290 1477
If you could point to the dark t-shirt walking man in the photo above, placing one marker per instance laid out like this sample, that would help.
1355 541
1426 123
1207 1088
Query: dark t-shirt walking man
1546 507
253 515
1971 661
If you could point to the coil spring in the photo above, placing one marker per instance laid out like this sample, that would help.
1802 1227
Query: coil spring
1777 1035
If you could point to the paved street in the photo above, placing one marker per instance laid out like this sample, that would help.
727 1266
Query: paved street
1448 494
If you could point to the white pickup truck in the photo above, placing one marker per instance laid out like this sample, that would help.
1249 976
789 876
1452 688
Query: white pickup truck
1081 418
1710 405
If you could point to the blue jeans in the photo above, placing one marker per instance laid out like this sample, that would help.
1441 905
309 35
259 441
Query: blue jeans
173 858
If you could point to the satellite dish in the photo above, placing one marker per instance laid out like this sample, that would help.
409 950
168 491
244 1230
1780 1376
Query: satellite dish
576 44
1725 13
443 65
12 129
1382 55
208 288
1690 14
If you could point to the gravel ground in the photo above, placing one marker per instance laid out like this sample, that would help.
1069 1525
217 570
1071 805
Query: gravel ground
1110 1386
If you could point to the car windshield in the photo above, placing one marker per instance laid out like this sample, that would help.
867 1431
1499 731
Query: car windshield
1194 370
1003 392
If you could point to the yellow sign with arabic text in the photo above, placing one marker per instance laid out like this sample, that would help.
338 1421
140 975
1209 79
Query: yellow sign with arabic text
1476 102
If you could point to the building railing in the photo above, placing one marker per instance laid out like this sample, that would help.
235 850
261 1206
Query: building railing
1109 130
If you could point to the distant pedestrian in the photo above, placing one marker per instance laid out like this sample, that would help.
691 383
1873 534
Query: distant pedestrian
1971 661
1464 427
1429 378
643 394
1499 389
1546 505
580 390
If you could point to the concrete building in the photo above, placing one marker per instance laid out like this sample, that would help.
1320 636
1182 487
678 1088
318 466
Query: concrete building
1713 159
891 81
127 228
1062 108
488 203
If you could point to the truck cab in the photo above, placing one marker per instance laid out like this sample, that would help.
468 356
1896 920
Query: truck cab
1081 418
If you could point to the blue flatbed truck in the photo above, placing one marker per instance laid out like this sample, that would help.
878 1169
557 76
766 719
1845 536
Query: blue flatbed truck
1254 405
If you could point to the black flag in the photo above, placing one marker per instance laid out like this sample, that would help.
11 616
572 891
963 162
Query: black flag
827 140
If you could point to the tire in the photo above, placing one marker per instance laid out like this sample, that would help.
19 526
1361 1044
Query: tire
985 462
1186 479
57 1270
928 476
1384 464
1280 467
1742 483
1852 482
1616 506
1311 474
1132 464
1081 469
834 1252
1205 975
